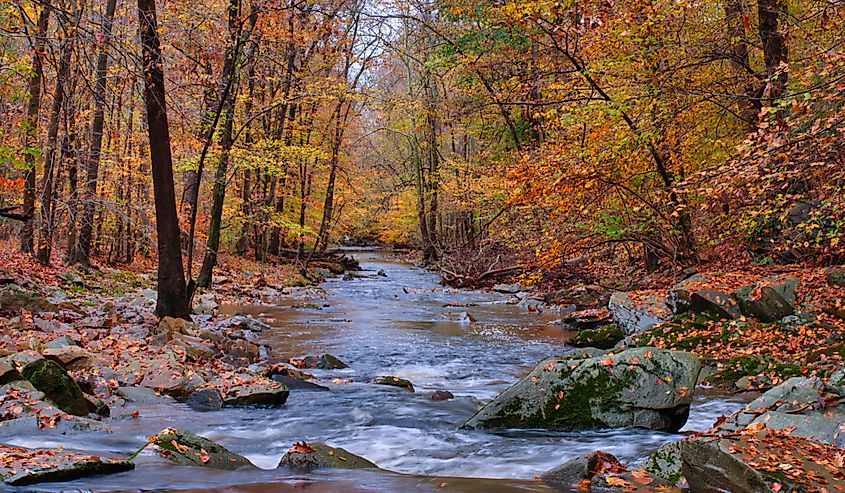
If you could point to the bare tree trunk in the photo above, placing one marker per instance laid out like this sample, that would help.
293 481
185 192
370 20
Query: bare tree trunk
32 109
45 241
775 51
172 292
82 254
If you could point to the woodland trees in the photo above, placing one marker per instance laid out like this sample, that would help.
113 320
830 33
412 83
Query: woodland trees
529 135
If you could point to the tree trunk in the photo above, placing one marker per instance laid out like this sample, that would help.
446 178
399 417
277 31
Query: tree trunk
32 109
172 292
775 51
45 240
82 255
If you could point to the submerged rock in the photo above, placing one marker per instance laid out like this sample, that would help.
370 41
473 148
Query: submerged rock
21 467
643 388
186 448
441 395
51 379
315 455
256 391
394 382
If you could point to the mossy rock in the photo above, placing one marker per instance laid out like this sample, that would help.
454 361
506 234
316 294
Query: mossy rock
394 382
636 388
604 337
665 463
14 298
751 366
315 455
186 448
51 379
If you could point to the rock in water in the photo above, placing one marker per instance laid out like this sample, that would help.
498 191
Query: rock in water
572 472
319 455
256 391
205 400
394 382
643 388
186 448
20 467
330 362
50 378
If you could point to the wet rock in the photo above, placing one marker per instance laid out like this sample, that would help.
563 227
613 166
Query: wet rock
714 304
768 301
582 296
635 312
348 276
835 276
14 298
315 455
294 383
708 467
21 467
837 378
604 337
51 379
241 352
394 382
583 468
381 273
186 448
306 362
245 322
665 463
205 400
806 406
441 395
256 391
329 362
642 388
195 348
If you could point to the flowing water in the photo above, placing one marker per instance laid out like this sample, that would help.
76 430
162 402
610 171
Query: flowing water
403 324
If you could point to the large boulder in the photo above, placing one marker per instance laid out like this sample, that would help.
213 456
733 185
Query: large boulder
806 406
205 400
642 387
714 304
604 337
635 311
330 362
315 455
186 448
167 376
769 300
51 379
21 467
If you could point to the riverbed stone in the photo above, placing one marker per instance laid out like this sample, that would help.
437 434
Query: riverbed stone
665 463
642 388
170 326
14 298
637 311
51 379
314 455
8 372
294 383
769 300
709 466
189 449
392 381
441 395
256 391
67 356
714 304
22 467
167 376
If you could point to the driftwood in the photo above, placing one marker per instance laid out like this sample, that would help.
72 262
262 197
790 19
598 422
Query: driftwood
322 258
474 270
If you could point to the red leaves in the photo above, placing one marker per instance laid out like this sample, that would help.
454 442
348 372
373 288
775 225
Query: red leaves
300 448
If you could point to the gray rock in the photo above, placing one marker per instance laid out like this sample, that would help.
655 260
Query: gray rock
604 337
643 388
206 304
665 463
314 455
330 362
294 383
837 378
8 372
55 465
836 276
708 467
143 395
807 406
508 288
14 298
714 304
67 356
441 395
186 448
205 400
636 312
768 301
